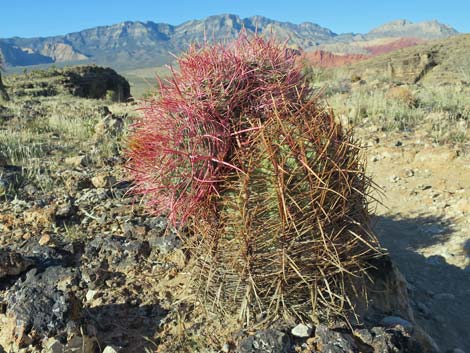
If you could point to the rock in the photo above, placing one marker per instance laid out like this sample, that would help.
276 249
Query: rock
65 209
87 81
266 341
44 240
11 177
75 181
30 189
302 330
392 321
109 126
78 161
40 217
90 295
36 308
463 205
166 243
13 263
330 341
53 346
111 349
45 256
121 252
466 248
96 82
424 310
81 344
436 260
178 258
387 293
103 181
391 340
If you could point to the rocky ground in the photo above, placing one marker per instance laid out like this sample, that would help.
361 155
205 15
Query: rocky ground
425 222
83 268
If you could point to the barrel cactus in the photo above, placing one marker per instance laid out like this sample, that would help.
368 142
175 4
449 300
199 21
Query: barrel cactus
239 151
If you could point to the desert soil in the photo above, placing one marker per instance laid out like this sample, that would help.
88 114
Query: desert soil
424 222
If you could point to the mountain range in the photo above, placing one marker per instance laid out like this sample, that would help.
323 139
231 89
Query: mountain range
149 44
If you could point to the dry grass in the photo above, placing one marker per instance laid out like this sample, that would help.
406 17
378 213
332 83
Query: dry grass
442 113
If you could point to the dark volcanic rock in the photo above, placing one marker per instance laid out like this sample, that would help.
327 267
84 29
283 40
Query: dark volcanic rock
331 340
13 263
97 82
45 256
82 81
42 305
327 340
116 250
266 341
11 177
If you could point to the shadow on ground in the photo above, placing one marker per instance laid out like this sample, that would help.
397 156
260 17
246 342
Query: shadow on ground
128 326
439 291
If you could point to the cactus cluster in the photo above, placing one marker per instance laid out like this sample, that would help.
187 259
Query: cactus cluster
238 150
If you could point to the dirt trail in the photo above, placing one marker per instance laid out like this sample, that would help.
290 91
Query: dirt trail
424 222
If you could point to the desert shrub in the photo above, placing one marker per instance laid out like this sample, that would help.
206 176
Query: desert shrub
355 78
111 95
403 95
375 107
272 189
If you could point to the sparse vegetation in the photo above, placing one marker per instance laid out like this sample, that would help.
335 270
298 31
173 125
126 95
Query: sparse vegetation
441 112
37 127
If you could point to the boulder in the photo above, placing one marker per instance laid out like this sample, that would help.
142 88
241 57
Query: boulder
87 81
266 341
40 306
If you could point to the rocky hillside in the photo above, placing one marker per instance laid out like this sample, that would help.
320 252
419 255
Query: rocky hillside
325 59
357 51
441 62
81 81
403 28
145 44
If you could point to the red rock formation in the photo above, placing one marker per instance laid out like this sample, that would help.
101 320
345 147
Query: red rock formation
326 59
395 45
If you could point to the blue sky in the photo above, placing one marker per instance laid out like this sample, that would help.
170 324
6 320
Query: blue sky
31 18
